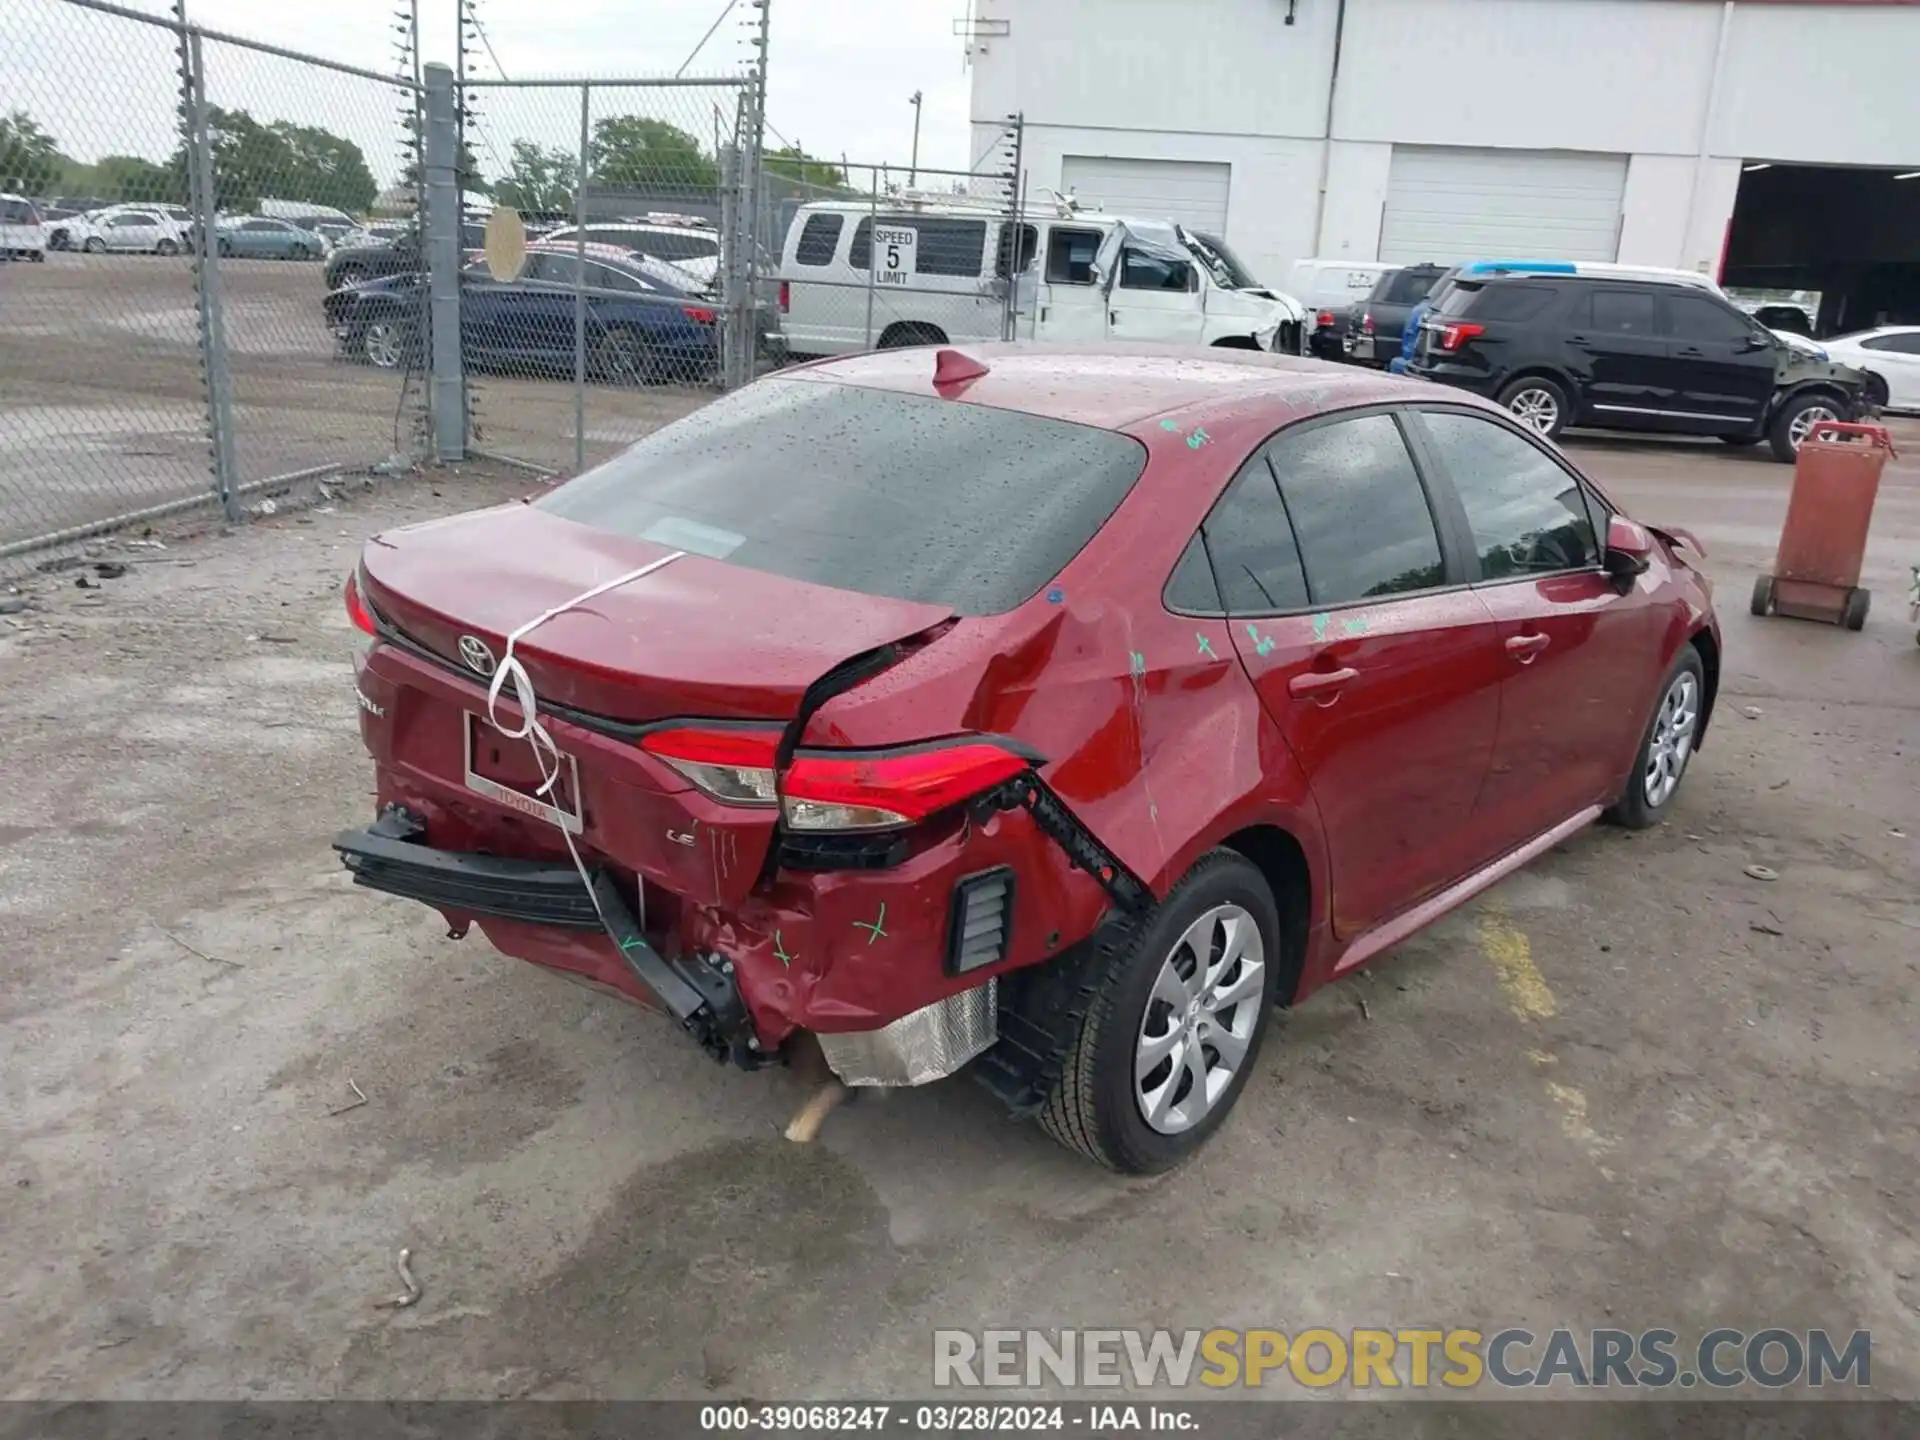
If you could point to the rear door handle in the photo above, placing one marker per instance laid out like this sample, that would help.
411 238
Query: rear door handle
1319 682
1524 647
1691 352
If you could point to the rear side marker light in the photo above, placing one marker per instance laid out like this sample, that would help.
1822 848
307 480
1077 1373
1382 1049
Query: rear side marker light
357 611
981 927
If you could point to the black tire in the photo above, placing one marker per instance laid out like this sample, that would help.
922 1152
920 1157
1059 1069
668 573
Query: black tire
1551 395
1093 1109
349 275
95 245
623 357
1854 614
166 247
1877 393
1634 809
224 247
1780 432
1762 602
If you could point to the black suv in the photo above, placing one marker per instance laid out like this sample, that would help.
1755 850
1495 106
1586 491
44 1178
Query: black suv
1561 350
1375 324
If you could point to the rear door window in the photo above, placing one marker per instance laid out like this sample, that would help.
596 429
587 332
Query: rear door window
819 238
1359 512
946 247
1624 312
1527 514
905 496
1251 543
1507 302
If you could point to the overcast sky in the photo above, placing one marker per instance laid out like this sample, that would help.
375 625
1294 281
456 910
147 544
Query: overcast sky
840 78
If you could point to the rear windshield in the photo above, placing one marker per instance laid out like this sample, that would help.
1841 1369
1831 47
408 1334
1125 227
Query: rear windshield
904 496
1405 287
1493 302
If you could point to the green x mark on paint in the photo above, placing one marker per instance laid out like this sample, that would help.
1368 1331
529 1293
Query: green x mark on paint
780 953
1206 646
874 927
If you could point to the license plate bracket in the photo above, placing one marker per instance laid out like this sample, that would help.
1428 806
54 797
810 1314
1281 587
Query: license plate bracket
565 813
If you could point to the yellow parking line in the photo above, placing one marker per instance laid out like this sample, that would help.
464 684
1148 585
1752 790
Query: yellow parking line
1512 956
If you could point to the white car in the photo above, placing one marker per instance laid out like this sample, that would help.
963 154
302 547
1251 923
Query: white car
21 233
1891 357
140 229
691 248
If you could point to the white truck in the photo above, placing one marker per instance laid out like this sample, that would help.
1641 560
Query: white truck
933 269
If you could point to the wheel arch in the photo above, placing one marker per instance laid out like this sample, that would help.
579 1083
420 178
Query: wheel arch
1282 862
1707 645
1236 342
903 333
1568 386
1825 389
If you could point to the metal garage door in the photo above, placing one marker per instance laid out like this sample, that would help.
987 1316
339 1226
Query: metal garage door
1448 205
1190 191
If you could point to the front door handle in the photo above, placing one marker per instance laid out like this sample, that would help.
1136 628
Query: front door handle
1524 647
1320 682
1691 352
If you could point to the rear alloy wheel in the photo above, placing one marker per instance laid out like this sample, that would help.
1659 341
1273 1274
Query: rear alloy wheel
350 275
1173 1032
1538 404
1878 395
1667 746
385 343
95 245
166 247
1795 423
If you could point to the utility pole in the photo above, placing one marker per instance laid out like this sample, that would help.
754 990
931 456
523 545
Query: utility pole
913 174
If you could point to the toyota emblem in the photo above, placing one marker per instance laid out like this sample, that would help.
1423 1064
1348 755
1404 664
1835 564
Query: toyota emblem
475 654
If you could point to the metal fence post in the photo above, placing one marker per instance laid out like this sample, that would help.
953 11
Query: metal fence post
440 154
873 223
580 289
203 194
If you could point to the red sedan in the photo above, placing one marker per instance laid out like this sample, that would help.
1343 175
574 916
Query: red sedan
1053 713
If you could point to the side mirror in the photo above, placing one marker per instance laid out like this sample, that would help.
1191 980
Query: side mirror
1758 342
1629 548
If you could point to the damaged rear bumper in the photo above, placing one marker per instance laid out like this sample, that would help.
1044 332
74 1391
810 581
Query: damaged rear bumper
699 992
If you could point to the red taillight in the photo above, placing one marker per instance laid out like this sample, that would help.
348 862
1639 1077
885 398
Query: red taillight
824 791
828 790
1457 333
1324 318
1366 323
699 314
357 611
731 765
786 296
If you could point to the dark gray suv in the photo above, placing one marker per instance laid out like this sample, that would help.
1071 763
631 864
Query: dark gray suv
1619 354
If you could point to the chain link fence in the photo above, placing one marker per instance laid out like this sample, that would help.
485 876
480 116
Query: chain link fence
619 292
172 197
875 256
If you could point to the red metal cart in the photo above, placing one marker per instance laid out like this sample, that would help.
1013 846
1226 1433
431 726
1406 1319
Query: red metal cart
1816 572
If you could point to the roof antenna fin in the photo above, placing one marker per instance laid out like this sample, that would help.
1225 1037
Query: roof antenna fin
955 367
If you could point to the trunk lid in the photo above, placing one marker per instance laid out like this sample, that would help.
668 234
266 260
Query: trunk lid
695 639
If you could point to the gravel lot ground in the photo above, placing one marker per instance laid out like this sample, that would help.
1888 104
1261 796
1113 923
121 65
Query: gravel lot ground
103 411
1706 1123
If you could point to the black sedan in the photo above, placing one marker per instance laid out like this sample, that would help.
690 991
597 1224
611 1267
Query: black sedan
640 324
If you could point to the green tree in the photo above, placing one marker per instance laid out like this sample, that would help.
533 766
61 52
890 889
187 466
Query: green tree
30 158
632 152
282 161
126 177
538 179
793 163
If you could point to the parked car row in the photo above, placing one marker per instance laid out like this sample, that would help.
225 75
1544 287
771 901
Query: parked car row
1604 346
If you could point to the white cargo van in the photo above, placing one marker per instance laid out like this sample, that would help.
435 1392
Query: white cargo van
1328 289
930 269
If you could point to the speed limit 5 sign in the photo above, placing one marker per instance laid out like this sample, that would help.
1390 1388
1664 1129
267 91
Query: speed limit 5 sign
894 252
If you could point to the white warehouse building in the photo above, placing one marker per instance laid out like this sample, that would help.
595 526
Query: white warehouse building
1777 144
